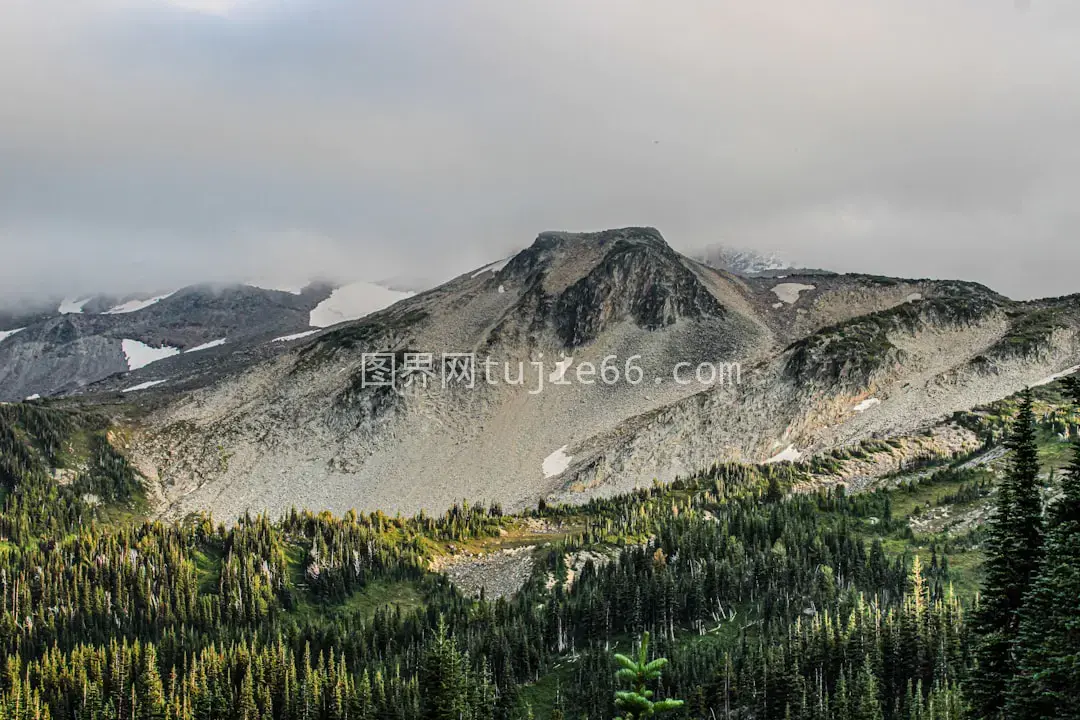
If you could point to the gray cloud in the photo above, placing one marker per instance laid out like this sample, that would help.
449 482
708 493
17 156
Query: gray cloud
144 144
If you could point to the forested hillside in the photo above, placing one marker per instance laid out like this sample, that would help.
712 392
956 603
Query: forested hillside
769 605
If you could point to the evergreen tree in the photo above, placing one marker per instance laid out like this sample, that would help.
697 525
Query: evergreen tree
637 703
866 705
443 679
1013 551
1048 649
150 695
246 708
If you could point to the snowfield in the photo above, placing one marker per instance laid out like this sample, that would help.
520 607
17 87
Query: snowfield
556 463
5 334
72 307
352 302
866 405
144 386
789 292
493 267
296 336
139 355
559 373
1057 376
207 346
136 305
789 454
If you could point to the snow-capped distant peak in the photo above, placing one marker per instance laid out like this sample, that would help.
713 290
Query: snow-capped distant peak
72 306
738 261
5 334
140 355
352 302
136 305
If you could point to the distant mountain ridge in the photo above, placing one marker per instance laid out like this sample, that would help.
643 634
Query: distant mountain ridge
750 263
83 341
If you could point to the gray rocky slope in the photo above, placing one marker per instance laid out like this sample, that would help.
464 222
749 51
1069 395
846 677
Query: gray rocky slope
825 360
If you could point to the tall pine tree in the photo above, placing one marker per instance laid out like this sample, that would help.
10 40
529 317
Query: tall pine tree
443 679
1013 554
150 695
1048 649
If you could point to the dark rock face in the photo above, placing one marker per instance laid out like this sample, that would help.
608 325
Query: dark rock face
532 263
639 278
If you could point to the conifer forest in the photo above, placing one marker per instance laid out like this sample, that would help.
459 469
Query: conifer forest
738 594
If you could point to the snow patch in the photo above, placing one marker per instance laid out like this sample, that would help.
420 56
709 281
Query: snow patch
789 292
866 405
557 375
72 307
492 268
352 302
35 396
140 355
144 386
556 463
207 346
1057 376
297 336
789 454
135 305
502 289
5 334
777 306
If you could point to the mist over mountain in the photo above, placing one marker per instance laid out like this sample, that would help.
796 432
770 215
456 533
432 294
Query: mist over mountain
226 140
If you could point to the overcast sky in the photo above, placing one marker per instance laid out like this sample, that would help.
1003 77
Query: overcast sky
148 143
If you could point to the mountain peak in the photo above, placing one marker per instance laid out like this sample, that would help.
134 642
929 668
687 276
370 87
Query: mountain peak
640 278
643 235
562 257
596 279
590 281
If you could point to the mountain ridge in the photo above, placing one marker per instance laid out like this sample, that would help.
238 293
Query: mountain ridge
301 428
81 344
